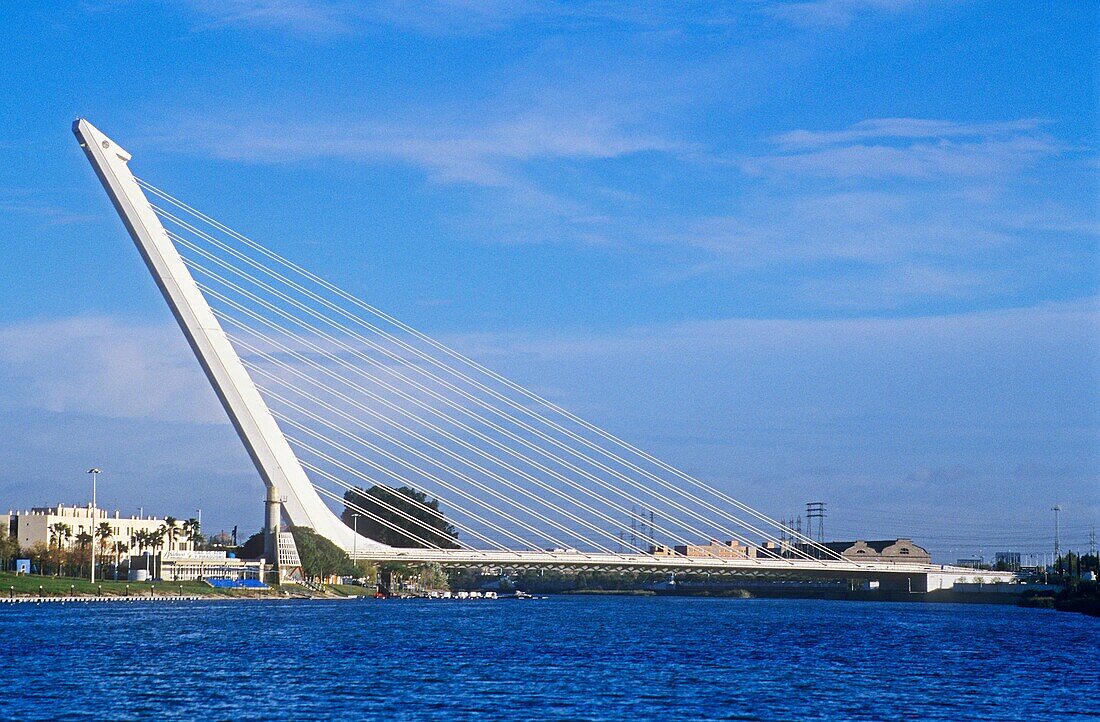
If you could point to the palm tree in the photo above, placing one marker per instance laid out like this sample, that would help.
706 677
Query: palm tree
83 542
102 533
192 532
171 530
119 548
156 537
141 540
61 532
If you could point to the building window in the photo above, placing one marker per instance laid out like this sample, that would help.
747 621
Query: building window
903 550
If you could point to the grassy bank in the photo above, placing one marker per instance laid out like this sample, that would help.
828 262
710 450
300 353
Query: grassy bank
349 590
32 586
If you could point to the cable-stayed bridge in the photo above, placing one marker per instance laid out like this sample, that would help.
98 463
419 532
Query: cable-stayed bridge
332 396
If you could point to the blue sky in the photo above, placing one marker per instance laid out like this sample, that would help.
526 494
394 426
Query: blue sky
845 249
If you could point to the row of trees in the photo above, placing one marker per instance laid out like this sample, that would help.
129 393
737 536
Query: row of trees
9 549
1072 564
69 554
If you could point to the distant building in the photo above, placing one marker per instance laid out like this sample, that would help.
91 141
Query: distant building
37 525
883 550
714 549
1008 560
969 563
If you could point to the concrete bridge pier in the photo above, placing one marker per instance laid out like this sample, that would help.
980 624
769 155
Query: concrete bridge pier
910 583
272 522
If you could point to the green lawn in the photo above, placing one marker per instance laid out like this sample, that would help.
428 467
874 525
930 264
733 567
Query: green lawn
349 590
28 585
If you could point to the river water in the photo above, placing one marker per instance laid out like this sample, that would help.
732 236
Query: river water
562 658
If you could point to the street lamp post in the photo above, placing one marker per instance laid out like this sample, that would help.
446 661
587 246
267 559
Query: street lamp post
95 473
1057 560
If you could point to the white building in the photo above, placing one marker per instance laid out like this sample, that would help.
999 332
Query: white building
181 566
39 525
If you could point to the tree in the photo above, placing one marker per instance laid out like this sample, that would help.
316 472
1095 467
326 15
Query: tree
395 506
39 554
61 533
365 569
431 577
156 541
192 533
253 548
83 544
9 549
141 541
320 557
119 548
171 530
102 534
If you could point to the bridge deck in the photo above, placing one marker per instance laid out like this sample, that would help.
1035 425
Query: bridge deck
580 561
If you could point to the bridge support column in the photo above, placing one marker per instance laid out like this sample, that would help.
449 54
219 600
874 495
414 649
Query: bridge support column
272 522
911 583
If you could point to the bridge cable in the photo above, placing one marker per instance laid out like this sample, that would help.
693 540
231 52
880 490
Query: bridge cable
526 459
501 379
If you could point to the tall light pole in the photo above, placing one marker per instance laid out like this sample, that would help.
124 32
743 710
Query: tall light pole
95 473
1056 508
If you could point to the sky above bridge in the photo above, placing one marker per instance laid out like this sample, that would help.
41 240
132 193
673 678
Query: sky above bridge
838 250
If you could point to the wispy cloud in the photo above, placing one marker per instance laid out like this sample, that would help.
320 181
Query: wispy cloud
834 13
337 18
889 213
910 148
27 202
341 18
895 128
449 151
97 366
885 213
312 17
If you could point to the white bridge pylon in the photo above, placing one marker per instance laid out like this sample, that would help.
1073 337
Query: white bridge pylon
332 396
278 466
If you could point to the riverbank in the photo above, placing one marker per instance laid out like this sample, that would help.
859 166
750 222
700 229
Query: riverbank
34 586
83 599
29 587
1082 598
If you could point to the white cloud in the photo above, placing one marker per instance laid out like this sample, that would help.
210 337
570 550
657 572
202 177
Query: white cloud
891 213
910 148
906 210
98 366
834 13
455 151
894 128
312 17
336 18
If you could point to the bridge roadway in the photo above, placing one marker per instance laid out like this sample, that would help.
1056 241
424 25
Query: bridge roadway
913 577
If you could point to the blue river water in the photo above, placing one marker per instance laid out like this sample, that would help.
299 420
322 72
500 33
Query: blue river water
561 658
